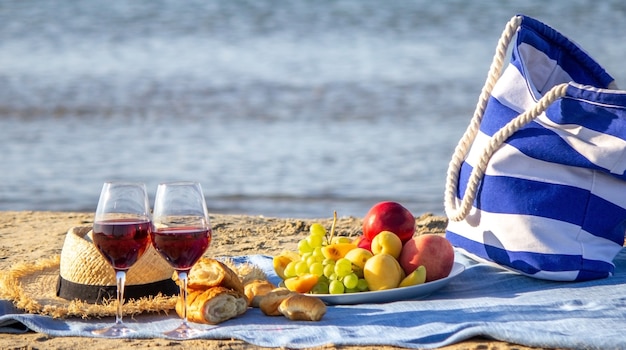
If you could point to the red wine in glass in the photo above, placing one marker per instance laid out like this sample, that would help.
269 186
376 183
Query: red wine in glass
121 233
122 242
181 234
182 247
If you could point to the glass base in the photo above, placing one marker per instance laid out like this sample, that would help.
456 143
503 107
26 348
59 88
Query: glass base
115 331
184 331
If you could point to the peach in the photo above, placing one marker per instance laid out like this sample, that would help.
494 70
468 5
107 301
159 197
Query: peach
382 271
387 242
433 251
358 257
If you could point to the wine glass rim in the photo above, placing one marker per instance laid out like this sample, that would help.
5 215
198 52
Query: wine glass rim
183 182
122 182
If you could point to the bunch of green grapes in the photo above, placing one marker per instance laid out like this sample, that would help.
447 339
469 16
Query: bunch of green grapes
338 278
334 276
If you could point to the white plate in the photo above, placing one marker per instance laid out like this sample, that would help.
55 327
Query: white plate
389 295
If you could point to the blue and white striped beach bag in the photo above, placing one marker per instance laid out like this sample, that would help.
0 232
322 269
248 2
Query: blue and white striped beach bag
537 182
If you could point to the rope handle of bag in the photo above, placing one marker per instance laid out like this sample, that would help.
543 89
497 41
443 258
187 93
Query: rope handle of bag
459 213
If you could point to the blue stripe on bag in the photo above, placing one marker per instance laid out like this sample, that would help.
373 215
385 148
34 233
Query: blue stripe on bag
526 262
606 115
555 149
511 195
579 65
597 117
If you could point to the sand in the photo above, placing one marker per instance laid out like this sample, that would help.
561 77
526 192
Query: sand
27 236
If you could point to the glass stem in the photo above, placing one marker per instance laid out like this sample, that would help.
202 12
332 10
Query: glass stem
121 282
182 276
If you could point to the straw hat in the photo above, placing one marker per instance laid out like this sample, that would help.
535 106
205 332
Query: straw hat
80 283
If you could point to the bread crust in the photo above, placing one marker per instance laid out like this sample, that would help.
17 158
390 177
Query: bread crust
213 305
215 293
300 307
257 289
270 301
292 305
208 272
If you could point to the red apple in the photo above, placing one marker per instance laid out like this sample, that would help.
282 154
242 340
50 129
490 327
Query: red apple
433 251
389 216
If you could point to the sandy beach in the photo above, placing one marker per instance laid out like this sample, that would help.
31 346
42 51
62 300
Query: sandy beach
28 236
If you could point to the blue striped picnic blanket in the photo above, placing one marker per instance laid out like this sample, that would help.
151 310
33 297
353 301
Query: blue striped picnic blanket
482 301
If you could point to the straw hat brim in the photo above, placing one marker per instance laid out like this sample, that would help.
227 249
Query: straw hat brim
32 288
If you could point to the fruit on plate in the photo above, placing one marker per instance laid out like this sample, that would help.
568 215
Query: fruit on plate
328 264
433 251
414 278
387 242
337 251
389 216
281 261
301 284
358 257
363 242
382 271
319 266
341 239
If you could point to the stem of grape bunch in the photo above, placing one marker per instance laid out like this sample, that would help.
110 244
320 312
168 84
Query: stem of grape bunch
332 228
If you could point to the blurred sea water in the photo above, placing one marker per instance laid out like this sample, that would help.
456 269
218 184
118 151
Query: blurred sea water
285 109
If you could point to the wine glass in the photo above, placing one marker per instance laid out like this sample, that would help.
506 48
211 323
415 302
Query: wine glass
181 233
121 233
